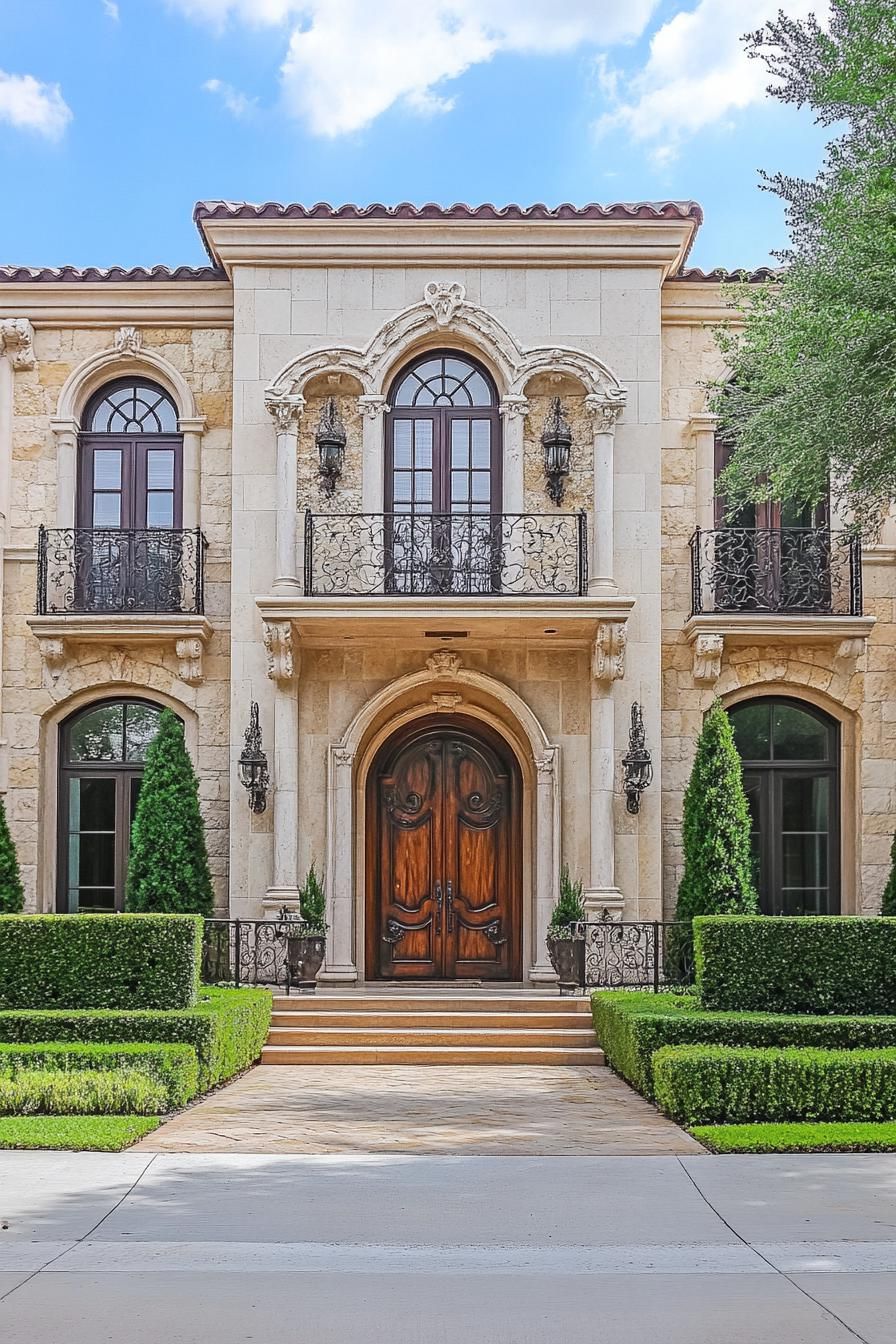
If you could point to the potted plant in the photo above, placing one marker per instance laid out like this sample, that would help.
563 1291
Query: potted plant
306 935
566 935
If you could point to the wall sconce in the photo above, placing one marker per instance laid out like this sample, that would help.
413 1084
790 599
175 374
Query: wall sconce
636 763
253 764
330 440
556 440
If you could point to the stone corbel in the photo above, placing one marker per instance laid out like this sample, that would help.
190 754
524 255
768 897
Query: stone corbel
605 411
850 649
283 659
372 405
708 650
17 342
514 406
608 654
53 653
189 660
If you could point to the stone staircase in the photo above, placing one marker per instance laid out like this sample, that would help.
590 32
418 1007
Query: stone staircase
436 1027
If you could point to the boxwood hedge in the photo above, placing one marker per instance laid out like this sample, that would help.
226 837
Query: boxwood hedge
226 1028
711 1084
175 1067
631 1025
809 964
99 961
82 1092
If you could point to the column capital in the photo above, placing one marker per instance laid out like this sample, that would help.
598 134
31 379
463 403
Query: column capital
608 653
514 406
605 411
192 424
286 411
17 342
284 661
372 405
546 766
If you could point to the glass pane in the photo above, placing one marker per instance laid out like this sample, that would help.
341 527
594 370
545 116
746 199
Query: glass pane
404 395
98 735
96 901
135 796
159 509
160 469
460 487
401 488
424 397
752 735
95 859
482 443
423 481
107 469
401 443
753 790
796 515
805 803
798 736
805 860
482 486
136 408
478 390
107 510
91 805
141 726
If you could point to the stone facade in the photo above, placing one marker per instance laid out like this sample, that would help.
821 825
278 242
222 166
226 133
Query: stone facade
302 308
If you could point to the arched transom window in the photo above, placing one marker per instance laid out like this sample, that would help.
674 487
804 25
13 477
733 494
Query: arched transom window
131 459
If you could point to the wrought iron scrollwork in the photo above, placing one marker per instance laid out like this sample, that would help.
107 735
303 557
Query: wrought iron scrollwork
85 570
788 569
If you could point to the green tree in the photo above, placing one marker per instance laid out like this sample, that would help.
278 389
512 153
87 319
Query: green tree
812 400
12 896
313 901
888 900
717 876
168 869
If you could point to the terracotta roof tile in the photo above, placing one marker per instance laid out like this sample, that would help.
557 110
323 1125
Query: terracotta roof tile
112 274
405 210
721 276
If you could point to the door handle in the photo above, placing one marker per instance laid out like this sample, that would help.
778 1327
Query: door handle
449 898
438 899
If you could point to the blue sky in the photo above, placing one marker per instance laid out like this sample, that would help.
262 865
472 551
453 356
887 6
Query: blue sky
117 115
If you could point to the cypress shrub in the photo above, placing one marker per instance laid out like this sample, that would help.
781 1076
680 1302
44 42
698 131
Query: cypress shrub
12 896
888 900
168 869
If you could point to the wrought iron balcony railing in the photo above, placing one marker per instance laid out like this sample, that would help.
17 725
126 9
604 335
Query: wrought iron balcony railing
786 571
83 570
445 555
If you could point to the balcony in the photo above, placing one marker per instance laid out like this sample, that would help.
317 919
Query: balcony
120 588
773 586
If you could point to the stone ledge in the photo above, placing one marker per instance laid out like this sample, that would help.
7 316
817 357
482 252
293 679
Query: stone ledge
187 634
710 635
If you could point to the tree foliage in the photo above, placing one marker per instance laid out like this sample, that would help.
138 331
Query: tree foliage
570 908
812 398
717 876
12 896
888 900
168 869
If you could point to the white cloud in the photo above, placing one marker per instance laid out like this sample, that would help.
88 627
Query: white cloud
110 9
696 75
28 104
237 104
348 61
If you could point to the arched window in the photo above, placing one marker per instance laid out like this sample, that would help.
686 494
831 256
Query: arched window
131 467
791 760
102 751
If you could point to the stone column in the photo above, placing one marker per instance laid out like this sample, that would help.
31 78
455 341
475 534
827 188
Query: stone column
547 861
374 409
607 666
192 428
604 412
340 968
703 426
286 413
514 409
283 669
16 353
65 432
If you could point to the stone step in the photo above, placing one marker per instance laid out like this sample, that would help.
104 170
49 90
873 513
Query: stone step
432 1054
424 1003
384 1020
418 1035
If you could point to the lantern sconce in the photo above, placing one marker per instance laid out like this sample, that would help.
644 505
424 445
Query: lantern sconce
556 440
330 439
636 763
253 764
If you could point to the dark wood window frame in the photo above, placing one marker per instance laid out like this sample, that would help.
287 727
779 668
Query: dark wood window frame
134 447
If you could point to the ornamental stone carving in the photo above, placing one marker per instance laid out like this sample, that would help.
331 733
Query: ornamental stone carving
189 661
53 653
708 650
608 655
282 660
285 412
372 405
128 341
443 663
447 701
343 758
605 411
17 342
514 407
545 766
444 299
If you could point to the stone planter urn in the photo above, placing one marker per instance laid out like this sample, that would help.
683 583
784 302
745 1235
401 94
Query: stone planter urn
567 954
304 958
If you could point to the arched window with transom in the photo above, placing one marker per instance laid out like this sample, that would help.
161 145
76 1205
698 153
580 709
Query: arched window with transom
131 459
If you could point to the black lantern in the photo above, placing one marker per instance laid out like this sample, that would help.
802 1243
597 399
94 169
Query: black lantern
330 440
253 764
636 763
556 440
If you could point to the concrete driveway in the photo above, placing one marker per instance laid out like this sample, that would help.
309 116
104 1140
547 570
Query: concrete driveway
234 1248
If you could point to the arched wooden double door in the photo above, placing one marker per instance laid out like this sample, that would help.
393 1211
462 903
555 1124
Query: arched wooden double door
444 856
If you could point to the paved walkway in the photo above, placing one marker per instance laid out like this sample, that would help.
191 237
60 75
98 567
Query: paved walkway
519 1111
237 1249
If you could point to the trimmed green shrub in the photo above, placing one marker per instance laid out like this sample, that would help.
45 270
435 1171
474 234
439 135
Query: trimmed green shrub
888 899
12 894
313 903
173 1067
570 908
226 1028
631 1026
800 1137
168 867
99 961
75 1133
81 1092
797 964
713 1084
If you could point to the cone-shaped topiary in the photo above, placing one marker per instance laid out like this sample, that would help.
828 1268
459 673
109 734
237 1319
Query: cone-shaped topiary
12 896
168 869
888 900
717 878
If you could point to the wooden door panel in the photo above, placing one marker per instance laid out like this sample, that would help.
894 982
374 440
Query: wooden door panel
410 849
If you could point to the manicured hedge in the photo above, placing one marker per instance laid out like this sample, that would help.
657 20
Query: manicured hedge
75 1133
712 1084
806 1136
175 1067
99 961
813 964
226 1028
82 1092
631 1025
